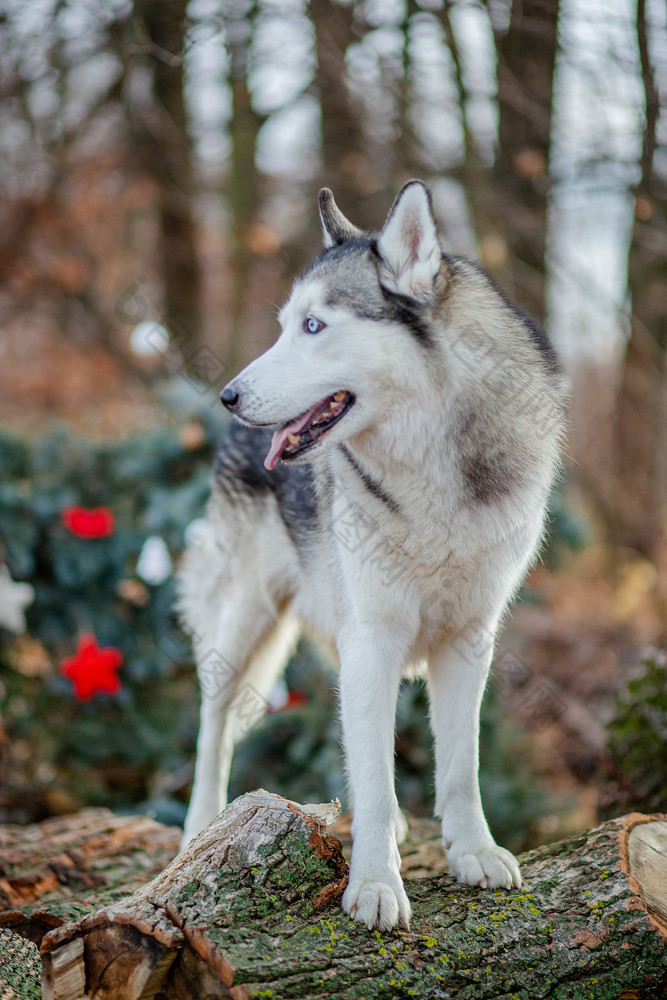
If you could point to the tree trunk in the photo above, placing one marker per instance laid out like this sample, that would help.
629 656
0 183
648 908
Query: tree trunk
346 167
640 486
252 909
164 148
510 203
242 188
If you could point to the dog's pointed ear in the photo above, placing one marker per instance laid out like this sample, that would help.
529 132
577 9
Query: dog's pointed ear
335 227
408 245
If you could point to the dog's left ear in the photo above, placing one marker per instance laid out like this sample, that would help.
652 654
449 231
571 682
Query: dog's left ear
336 228
408 245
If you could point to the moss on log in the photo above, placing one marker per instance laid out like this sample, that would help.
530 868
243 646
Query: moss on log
251 909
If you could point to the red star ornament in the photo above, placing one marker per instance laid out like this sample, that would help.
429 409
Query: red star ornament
92 670
97 522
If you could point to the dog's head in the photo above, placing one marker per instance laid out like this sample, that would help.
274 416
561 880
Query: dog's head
339 364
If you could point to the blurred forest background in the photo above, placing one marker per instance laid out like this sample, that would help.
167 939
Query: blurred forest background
160 161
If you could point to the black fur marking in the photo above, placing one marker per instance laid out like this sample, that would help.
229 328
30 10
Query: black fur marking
238 467
345 298
392 306
403 308
487 477
371 484
490 471
408 312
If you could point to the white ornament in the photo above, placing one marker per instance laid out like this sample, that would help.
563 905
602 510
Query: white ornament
154 564
14 599
149 338
279 696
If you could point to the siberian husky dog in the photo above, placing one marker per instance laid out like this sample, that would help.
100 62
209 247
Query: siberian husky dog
384 485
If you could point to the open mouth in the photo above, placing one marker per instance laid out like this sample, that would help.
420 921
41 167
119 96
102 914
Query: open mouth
299 435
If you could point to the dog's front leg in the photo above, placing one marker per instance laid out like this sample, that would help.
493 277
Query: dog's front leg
456 685
371 660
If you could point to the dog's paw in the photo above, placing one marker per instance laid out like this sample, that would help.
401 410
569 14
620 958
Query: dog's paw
490 868
378 904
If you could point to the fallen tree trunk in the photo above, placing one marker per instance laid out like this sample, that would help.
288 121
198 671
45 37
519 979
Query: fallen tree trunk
252 909
54 871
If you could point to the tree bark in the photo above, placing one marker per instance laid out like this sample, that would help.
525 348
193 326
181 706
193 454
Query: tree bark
639 488
346 164
163 146
252 909
243 186
510 203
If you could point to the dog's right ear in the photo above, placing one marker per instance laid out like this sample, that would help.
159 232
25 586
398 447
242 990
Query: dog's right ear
335 227
408 246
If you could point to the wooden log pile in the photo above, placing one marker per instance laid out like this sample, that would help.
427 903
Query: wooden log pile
252 909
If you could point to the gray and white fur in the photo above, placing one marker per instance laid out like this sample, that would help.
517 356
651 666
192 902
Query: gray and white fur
398 529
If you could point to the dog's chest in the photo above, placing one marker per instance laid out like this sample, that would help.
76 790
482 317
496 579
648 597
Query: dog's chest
371 543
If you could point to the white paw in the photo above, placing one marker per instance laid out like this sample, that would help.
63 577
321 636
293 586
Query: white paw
378 904
490 868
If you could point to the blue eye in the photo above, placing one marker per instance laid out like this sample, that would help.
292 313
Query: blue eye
312 325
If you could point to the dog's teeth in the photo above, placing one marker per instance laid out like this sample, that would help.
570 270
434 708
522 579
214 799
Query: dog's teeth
339 397
293 438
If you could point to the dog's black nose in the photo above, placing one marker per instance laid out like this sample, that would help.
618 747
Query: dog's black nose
229 398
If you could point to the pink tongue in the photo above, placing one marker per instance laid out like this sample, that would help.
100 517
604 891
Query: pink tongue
279 439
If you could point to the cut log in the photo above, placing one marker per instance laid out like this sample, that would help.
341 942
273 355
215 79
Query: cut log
252 909
60 869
